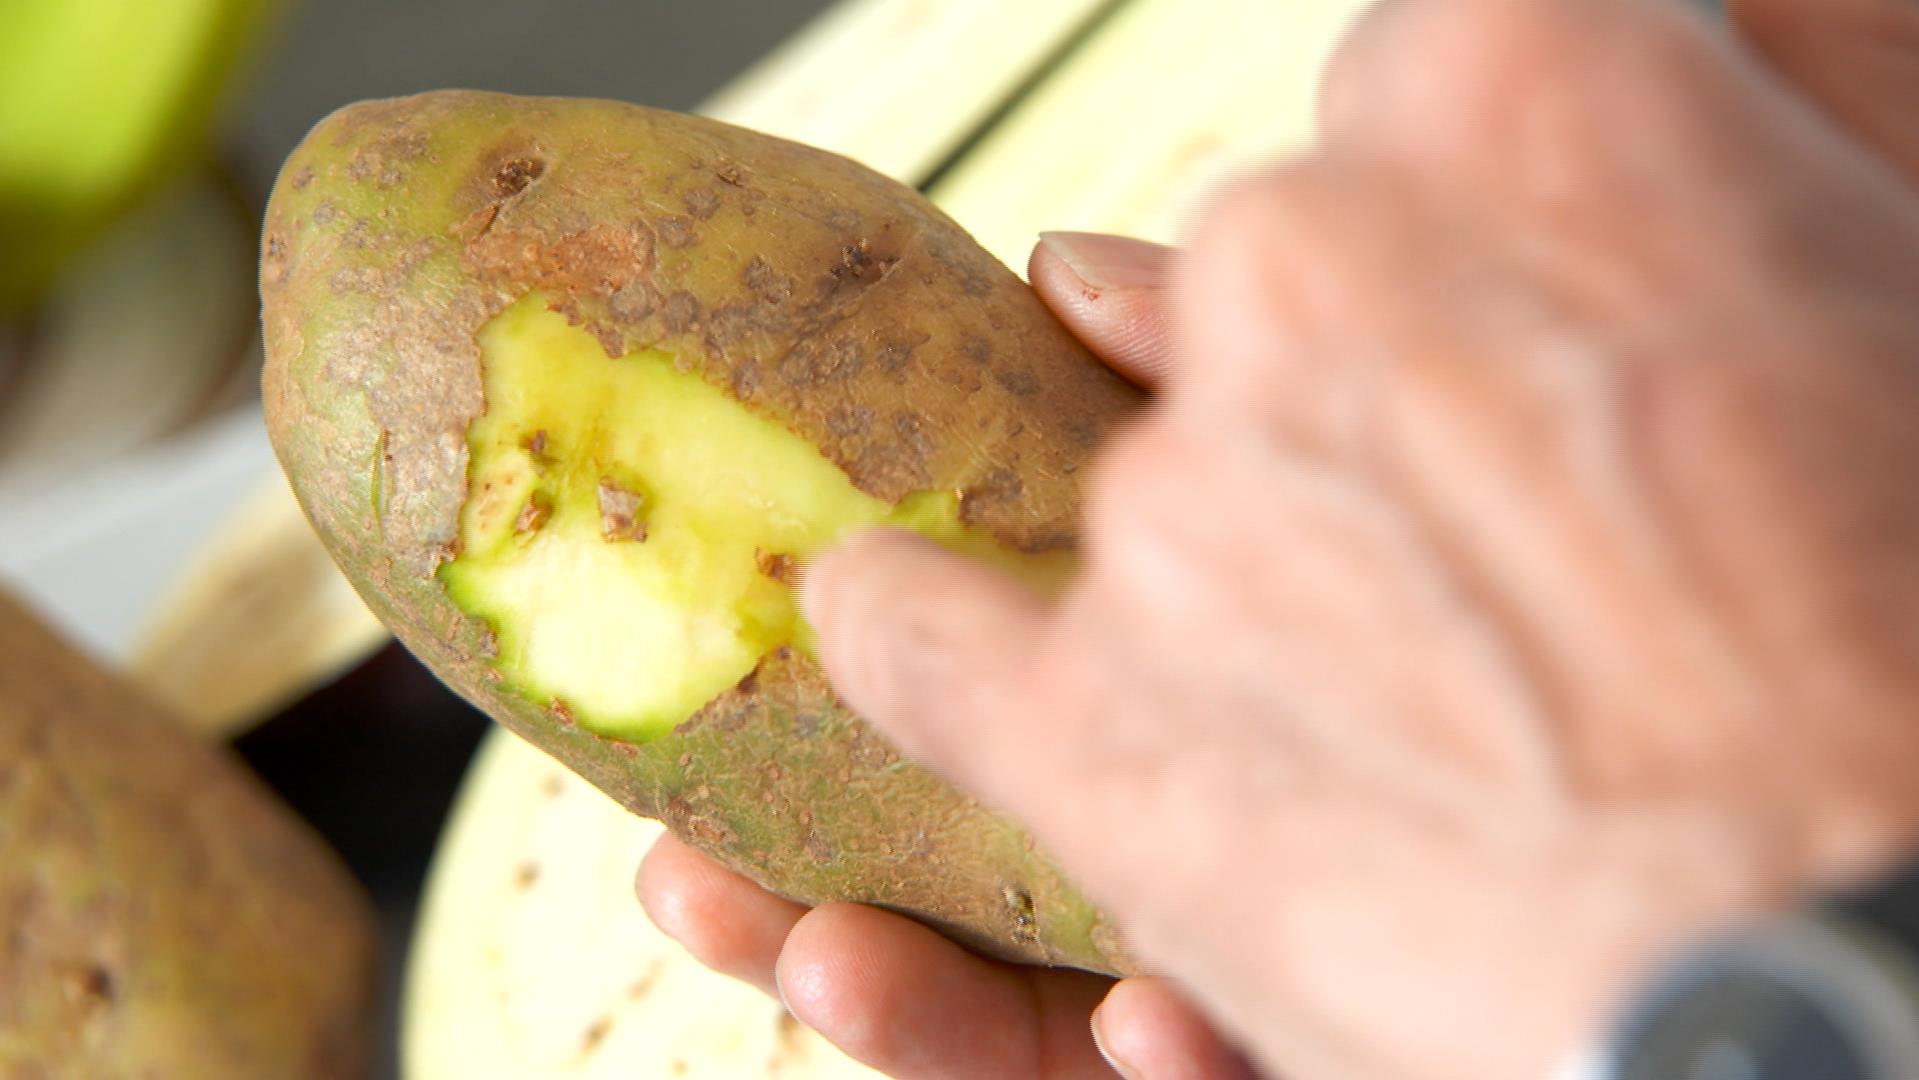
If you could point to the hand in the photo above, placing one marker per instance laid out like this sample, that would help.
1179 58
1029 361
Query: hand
1562 408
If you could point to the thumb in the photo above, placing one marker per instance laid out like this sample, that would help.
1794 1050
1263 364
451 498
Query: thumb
929 647
1859 59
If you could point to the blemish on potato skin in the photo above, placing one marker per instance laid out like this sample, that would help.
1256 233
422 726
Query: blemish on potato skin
481 222
92 987
526 875
818 848
746 379
632 302
676 231
997 487
1016 382
766 283
894 355
1025 924
849 421
813 362
702 203
681 312
376 484
597 261
515 174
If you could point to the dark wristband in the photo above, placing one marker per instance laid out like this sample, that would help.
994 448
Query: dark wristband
1830 993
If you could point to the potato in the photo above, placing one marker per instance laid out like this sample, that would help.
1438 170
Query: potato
570 388
163 915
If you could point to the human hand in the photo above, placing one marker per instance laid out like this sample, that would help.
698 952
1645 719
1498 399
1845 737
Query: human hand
1574 376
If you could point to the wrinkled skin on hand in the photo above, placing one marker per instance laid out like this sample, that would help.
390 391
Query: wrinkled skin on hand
1518 574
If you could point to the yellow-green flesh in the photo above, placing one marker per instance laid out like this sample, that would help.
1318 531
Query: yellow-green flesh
625 525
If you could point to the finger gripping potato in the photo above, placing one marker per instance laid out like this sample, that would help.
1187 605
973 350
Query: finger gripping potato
570 388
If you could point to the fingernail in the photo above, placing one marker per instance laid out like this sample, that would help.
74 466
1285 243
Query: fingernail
1108 262
1126 1072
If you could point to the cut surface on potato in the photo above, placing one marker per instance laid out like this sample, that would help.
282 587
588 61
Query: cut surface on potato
631 532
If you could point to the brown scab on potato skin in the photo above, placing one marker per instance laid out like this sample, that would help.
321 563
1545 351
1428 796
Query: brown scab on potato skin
702 203
92 986
701 828
1019 902
676 231
515 174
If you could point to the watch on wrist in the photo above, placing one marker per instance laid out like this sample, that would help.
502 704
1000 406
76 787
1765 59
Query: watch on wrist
1828 993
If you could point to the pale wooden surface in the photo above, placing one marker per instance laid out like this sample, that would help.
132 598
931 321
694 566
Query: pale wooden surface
1132 132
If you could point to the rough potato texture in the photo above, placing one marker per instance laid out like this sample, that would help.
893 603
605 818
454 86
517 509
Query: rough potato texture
815 292
162 916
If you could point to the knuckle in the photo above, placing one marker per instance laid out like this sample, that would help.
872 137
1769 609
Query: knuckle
1496 84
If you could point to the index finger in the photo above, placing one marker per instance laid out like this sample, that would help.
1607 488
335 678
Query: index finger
1110 291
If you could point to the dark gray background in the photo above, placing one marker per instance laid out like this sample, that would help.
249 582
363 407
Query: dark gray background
325 53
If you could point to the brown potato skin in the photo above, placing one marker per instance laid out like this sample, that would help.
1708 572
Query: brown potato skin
163 915
818 293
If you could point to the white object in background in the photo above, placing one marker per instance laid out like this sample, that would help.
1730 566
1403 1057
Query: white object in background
534 960
899 84
142 336
94 552
1137 128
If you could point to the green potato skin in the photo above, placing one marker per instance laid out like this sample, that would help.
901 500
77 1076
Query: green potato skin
816 293
164 915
